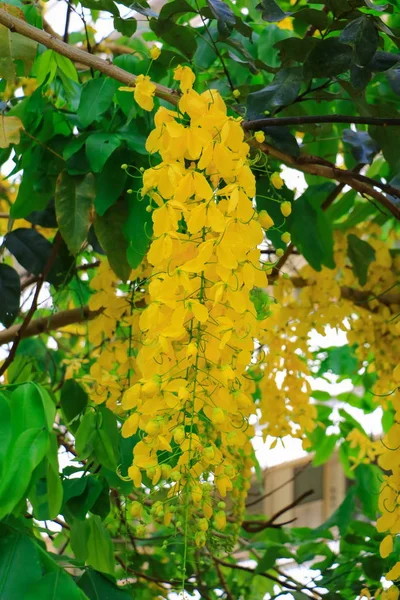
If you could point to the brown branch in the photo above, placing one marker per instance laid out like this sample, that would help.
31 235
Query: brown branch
222 580
254 526
312 165
252 571
77 55
359 297
316 119
20 333
46 324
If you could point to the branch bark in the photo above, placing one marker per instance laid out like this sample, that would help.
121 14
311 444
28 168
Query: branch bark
46 324
77 55
317 119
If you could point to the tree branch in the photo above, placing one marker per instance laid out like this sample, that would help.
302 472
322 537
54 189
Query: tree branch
316 119
77 55
46 324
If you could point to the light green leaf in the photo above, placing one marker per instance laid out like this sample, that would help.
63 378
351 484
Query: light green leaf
14 46
73 201
45 67
67 67
99 547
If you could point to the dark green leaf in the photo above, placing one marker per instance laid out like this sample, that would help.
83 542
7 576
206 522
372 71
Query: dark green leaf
110 182
106 440
107 5
125 26
171 11
271 11
98 587
362 35
45 217
109 231
19 565
96 98
393 77
340 360
73 201
363 147
361 255
222 12
99 547
138 230
99 147
369 479
382 61
80 495
56 585
328 58
282 91
30 248
46 493
312 232
177 36
74 401
10 290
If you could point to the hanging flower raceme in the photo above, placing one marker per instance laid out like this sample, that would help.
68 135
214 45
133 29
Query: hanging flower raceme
193 396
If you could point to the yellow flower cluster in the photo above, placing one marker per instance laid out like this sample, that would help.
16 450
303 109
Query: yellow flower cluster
198 330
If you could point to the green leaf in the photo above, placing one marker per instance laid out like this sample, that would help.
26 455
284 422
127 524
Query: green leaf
369 480
99 547
96 98
270 557
85 434
271 11
67 67
324 449
109 231
311 232
98 587
46 493
10 290
328 58
99 147
73 201
106 440
362 35
363 147
74 401
45 67
138 230
56 585
27 452
125 26
282 91
14 46
80 495
177 36
110 182
361 255
30 248
19 565
222 12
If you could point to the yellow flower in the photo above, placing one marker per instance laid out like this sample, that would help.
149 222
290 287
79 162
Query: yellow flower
286 208
236 93
155 52
143 92
265 220
276 181
285 237
185 76
259 137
